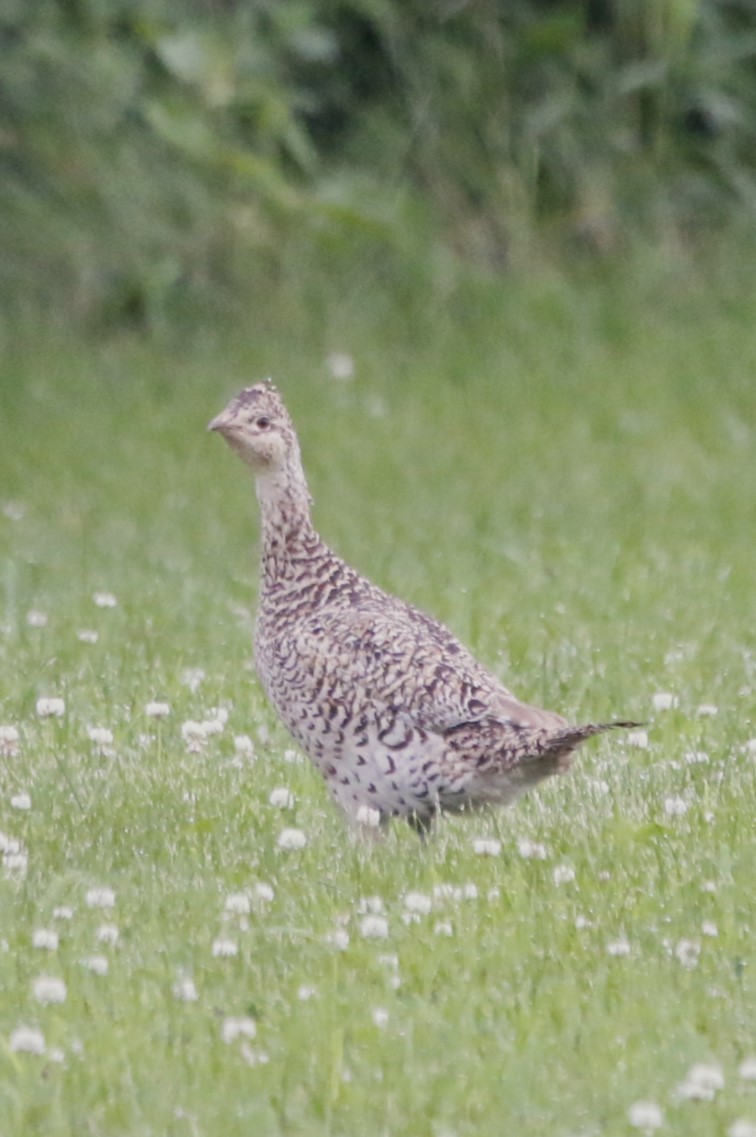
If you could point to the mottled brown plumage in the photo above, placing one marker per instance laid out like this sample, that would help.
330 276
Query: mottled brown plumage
394 711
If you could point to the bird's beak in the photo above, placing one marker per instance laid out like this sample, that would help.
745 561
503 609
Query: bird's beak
222 422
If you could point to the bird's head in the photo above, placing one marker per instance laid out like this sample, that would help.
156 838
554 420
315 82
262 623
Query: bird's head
257 426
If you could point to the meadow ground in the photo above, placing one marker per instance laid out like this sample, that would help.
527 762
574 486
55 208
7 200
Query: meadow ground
566 477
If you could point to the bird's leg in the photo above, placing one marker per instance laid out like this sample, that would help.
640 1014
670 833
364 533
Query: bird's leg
369 834
422 824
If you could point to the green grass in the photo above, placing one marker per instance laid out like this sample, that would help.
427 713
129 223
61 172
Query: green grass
565 475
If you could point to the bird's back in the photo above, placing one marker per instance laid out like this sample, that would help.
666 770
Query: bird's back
383 697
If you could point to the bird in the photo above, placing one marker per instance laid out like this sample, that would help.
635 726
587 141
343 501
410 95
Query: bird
399 717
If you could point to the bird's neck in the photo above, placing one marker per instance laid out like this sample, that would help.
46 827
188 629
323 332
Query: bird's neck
287 530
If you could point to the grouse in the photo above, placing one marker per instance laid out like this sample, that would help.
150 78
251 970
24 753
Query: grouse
397 715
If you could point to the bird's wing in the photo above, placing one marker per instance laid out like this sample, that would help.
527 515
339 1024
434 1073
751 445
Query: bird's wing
408 663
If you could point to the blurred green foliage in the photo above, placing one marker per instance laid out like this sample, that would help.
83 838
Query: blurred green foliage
159 156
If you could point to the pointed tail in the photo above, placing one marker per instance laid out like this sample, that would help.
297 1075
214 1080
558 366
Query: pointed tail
572 736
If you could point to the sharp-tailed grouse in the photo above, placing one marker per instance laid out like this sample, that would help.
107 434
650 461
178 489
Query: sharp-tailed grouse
397 715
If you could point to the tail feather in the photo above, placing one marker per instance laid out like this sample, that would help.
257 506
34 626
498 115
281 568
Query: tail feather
572 736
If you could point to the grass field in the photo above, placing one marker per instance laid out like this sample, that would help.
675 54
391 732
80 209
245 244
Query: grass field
565 475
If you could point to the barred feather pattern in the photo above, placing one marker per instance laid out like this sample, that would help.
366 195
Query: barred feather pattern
396 714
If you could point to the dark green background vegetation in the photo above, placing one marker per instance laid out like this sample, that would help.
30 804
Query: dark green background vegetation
161 158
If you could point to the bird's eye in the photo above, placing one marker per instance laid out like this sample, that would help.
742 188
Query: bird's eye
263 422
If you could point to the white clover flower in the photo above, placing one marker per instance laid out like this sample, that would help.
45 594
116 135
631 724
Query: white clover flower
194 736
87 636
240 1027
665 701
281 798
238 904
293 757
338 939
455 892
27 1039
369 905
563 874
380 1017
63 912
50 707
687 953
14 510
486 846
100 897
21 801
100 735
374 927
702 1082
244 745
15 865
340 365
743 1127
418 902
192 677
104 600
56 1054
645 1115
707 710
443 928
157 710
446 892
185 990
695 757
36 619
709 928
97 964
582 922
264 892
253 1057
212 726
531 850
48 989
747 1069
370 818
305 992
292 839
675 806
750 746
216 720
45 938
709 886
224 948
9 742
620 947
108 934
638 739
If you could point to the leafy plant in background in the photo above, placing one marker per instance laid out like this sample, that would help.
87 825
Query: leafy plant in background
593 116
157 154
142 151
